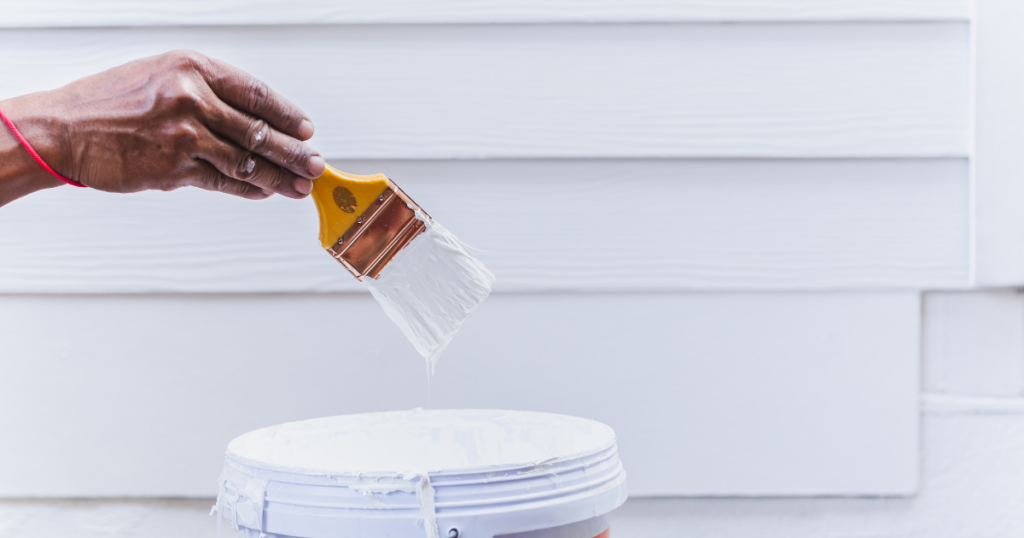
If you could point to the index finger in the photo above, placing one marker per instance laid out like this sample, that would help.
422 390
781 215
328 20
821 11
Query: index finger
250 94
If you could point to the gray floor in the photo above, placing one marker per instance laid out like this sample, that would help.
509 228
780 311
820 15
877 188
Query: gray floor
638 518
971 513
181 518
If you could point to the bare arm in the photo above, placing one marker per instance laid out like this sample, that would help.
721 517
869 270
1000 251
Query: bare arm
164 122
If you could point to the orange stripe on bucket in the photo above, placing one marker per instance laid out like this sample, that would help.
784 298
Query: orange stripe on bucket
606 534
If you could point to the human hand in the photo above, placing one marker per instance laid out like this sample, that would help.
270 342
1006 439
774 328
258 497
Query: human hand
169 121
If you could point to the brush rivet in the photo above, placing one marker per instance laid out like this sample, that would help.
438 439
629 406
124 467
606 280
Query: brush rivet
453 533
381 198
359 220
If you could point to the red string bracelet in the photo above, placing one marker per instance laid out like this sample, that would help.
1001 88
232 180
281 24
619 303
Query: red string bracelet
33 153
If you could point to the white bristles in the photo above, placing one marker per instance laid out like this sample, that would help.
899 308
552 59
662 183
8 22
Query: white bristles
430 287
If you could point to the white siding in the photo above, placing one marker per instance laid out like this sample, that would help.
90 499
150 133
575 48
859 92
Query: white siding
973 343
999 162
50 13
598 225
711 236
710 394
560 91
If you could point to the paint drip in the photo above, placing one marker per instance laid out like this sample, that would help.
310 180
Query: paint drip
430 288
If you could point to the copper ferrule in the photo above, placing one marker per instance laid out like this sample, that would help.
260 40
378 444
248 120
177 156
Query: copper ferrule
385 228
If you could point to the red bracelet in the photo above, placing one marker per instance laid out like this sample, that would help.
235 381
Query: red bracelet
33 153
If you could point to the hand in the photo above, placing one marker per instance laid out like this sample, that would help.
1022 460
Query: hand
171 121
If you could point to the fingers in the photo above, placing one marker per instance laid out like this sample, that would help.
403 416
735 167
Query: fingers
239 164
210 178
259 137
257 118
249 94
262 134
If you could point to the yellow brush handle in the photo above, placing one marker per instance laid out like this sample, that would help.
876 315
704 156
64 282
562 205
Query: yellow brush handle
342 198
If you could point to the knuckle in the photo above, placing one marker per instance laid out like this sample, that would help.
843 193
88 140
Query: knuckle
245 166
257 136
180 96
220 182
180 59
257 96
291 117
187 101
293 153
274 178
185 59
183 137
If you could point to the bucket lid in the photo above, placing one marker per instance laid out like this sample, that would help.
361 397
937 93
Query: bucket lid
416 473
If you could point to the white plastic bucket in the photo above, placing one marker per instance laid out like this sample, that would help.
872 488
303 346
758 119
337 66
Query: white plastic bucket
410 474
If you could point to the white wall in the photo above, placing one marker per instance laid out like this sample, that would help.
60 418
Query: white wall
575 91
545 225
813 396
63 13
721 228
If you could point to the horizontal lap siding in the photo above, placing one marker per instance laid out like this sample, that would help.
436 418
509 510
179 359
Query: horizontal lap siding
521 91
710 394
231 12
542 225
679 157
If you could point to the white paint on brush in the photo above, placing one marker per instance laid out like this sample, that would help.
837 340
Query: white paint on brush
430 287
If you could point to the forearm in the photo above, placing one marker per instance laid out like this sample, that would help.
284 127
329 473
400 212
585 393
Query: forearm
20 175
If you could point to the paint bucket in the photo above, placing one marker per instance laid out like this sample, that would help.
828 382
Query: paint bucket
434 473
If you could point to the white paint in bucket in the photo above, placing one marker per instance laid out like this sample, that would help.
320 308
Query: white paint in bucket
413 473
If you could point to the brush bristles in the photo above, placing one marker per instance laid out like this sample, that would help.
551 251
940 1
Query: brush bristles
430 287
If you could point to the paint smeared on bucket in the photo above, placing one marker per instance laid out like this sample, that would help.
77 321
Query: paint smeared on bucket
486 473
430 288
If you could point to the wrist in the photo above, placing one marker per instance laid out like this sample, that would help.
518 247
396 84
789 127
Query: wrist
20 174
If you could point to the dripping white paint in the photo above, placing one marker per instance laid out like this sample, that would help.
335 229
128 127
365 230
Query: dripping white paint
430 288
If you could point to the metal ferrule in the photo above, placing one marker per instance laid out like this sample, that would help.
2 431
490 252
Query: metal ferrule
387 226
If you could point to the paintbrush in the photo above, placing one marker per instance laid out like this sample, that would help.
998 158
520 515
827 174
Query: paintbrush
426 280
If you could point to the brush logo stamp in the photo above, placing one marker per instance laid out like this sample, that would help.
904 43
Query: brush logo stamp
345 199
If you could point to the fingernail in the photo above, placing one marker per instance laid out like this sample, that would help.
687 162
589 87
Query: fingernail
268 192
316 165
305 130
303 185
